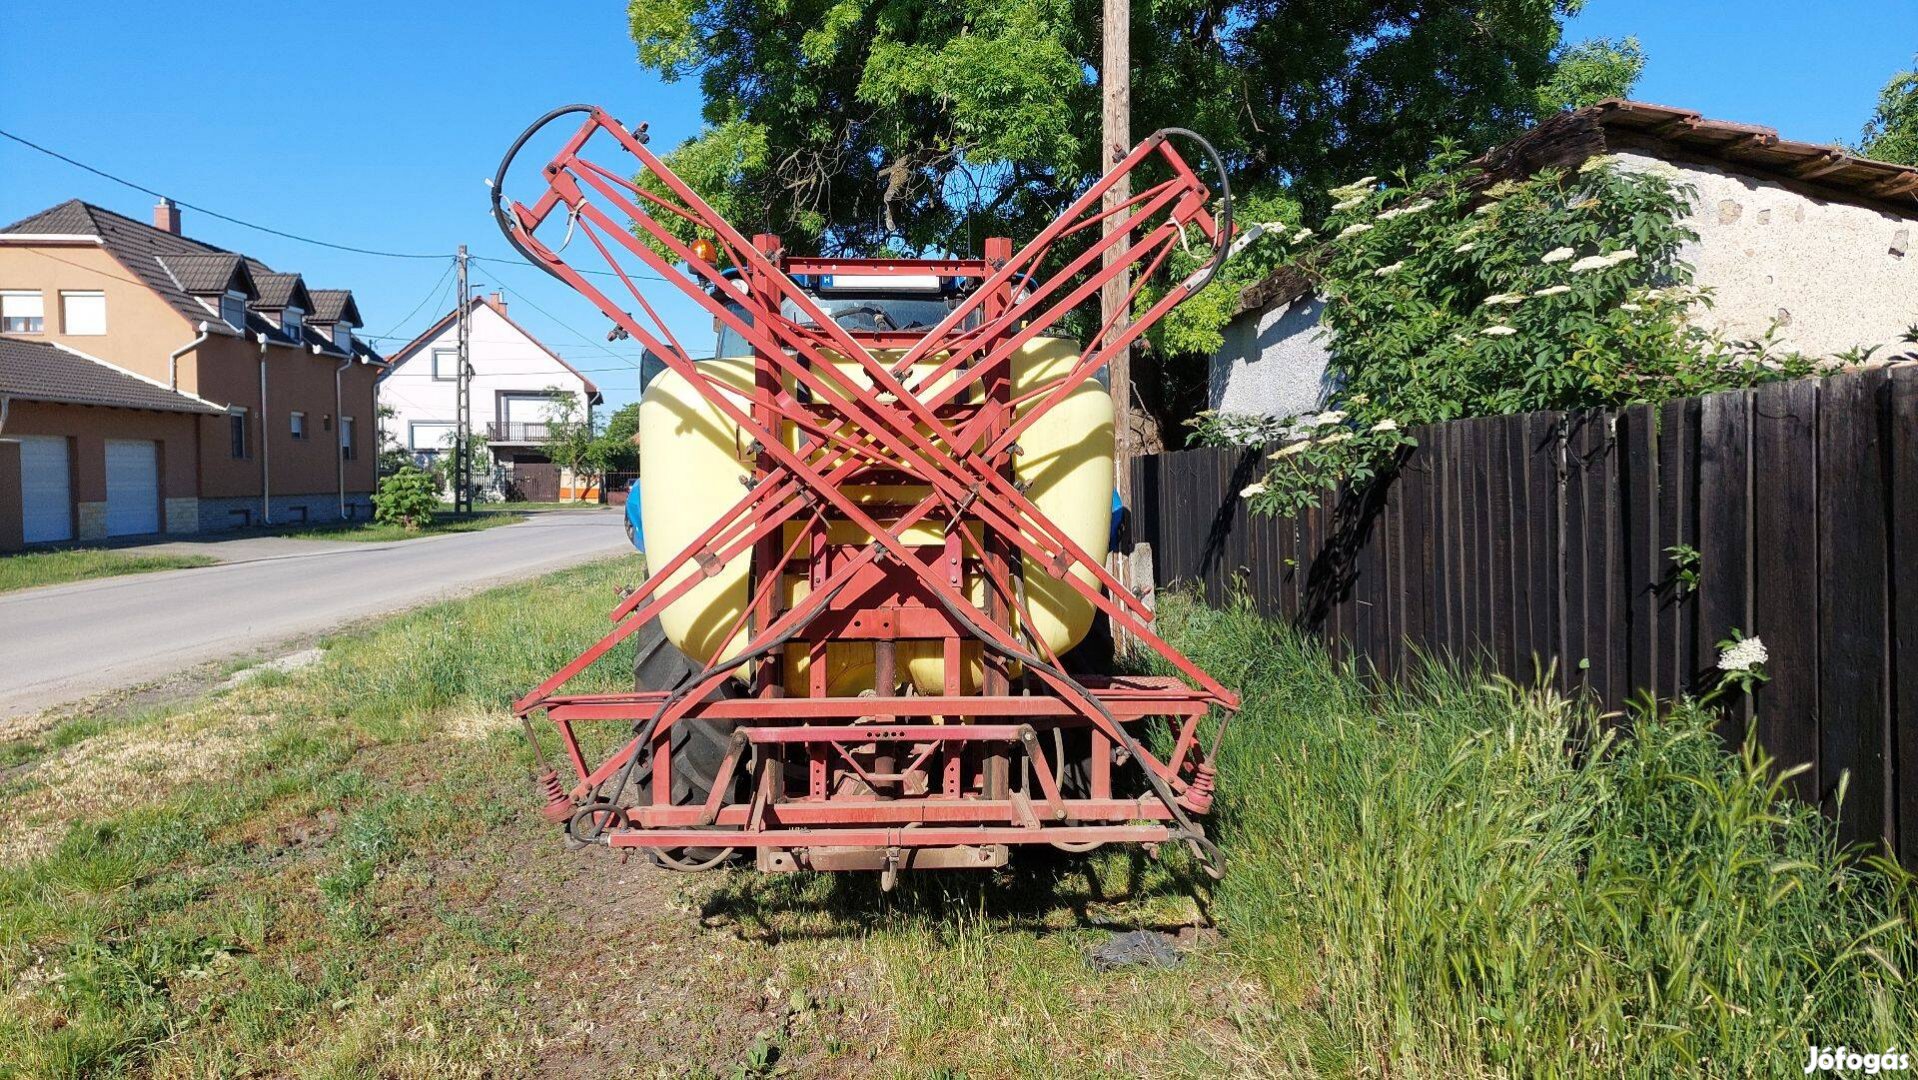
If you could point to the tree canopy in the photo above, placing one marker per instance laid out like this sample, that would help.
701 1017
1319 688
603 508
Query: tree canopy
854 125
1892 134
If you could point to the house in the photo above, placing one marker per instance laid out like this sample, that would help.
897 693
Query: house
514 383
1810 239
291 385
90 448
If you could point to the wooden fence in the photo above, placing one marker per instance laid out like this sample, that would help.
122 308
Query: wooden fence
1545 538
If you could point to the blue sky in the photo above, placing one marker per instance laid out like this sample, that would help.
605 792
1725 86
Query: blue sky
373 124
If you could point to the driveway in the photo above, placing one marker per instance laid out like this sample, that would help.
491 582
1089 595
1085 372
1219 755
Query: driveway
68 641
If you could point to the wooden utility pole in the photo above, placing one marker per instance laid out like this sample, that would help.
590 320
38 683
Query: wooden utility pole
463 427
1115 84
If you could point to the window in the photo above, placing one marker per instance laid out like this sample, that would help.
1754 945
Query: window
428 436
22 313
236 432
290 321
297 424
446 364
348 450
343 335
233 310
83 313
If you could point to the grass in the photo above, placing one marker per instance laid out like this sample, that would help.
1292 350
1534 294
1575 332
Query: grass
377 532
28 569
339 871
1446 890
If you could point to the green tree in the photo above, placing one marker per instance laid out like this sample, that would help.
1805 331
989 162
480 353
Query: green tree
577 440
622 428
1892 134
858 126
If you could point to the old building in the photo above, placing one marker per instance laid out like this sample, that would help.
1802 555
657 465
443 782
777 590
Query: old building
293 386
1808 239
516 386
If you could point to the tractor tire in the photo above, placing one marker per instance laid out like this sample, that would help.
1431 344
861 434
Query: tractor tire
698 746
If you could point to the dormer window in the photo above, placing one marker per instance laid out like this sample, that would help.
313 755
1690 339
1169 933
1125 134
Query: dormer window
233 310
343 335
290 322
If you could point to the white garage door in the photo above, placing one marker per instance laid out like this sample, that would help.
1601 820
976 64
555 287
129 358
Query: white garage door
46 494
133 487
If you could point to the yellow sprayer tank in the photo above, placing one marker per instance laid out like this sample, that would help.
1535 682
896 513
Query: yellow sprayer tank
696 459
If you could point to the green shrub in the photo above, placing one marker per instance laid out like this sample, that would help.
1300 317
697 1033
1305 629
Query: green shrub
406 498
1446 299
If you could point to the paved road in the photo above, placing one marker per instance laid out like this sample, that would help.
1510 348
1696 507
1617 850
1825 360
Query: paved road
67 641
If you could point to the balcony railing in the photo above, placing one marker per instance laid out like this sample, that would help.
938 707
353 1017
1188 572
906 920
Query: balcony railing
510 432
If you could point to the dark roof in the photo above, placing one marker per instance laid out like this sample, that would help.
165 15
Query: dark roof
43 371
439 327
210 273
175 267
1571 138
335 305
280 291
68 218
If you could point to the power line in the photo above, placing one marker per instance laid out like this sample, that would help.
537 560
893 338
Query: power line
566 326
597 273
214 213
391 335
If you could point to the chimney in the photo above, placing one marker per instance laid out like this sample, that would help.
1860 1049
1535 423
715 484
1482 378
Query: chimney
498 302
166 216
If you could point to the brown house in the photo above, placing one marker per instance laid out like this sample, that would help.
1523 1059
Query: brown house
293 388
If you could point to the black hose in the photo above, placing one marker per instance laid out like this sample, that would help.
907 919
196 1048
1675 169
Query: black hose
507 227
1222 245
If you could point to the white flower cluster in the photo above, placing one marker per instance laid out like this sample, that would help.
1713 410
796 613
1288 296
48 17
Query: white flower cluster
1356 230
1408 210
1388 271
1557 255
1328 418
1602 262
1497 299
1498 331
1553 290
1743 656
1252 489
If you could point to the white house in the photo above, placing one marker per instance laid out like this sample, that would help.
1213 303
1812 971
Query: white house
514 380
1809 239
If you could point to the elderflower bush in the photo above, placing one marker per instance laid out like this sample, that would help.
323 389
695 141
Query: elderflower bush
1562 291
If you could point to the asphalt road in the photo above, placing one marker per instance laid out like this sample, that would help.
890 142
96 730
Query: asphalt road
65 642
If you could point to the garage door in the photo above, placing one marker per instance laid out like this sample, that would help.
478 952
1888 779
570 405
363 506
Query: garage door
133 487
45 492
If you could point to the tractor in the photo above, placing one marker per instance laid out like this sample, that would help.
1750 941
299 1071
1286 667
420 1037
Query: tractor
878 519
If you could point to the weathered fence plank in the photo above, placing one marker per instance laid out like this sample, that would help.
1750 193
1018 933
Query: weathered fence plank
1852 648
1785 566
1902 482
1724 536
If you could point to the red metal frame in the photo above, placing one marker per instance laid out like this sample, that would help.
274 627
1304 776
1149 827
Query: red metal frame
832 775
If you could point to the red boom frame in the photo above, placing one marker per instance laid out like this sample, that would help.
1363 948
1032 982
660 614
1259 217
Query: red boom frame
882 780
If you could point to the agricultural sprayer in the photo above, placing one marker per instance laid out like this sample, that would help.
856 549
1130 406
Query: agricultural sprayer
878 519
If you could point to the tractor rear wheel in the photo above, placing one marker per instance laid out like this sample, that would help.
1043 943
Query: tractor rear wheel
698 746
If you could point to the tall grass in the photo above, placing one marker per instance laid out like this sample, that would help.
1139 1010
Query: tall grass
1463 876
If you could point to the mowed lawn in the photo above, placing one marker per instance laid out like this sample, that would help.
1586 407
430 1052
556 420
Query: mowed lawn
25 570
342 872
